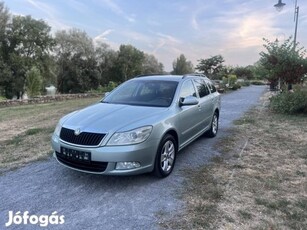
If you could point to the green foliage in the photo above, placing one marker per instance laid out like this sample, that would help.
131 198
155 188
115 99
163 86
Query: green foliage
244 72
255 82
129 63
245 83
151 65
4 18
77 65
108 88
25 42
211 66
182 66
232 79
225 80
106 63
290 102
33 82
281 61
235 86
259 71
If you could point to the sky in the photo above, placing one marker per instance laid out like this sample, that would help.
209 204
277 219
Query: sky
198 29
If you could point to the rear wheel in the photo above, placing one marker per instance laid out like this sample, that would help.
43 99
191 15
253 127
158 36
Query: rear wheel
166 156
214 125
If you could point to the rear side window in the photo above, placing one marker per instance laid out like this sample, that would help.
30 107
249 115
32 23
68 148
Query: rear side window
211 87
202 87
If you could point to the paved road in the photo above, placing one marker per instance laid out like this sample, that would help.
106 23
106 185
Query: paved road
101 202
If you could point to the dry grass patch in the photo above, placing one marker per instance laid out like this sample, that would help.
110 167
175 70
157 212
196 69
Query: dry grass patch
259 182
26 130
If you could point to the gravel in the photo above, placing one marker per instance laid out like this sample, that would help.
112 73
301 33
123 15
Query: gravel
105 202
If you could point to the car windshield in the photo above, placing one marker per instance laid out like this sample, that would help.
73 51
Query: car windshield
158 93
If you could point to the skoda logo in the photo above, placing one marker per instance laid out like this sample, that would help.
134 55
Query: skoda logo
77 132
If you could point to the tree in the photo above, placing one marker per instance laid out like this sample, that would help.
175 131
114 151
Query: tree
259 72
211 66
129 63
182 66
106 60
34 82
5 73
77 65
243 72
282 62
4 18
151 65
26 43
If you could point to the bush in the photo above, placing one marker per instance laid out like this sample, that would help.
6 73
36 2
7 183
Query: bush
290 102
107 88
34 82
232 79
245 83
257 83
236 86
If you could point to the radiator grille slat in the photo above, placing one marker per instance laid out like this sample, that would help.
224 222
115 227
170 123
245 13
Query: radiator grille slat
84 138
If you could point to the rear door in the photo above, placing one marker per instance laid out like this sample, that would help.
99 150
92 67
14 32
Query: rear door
206 103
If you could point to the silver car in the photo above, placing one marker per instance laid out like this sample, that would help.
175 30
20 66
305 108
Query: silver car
139 127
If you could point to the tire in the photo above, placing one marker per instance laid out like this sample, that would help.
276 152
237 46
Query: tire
214 126
166 156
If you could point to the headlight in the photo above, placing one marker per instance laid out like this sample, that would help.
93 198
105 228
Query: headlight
131 137
58 129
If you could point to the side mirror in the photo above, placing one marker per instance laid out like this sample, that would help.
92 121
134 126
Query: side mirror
189 100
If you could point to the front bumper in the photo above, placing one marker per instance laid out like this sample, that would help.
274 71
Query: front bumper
105 158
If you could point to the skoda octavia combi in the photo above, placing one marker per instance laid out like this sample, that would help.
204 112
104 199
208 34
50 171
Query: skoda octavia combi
139 127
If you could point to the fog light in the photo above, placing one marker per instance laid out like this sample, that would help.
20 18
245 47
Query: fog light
127 165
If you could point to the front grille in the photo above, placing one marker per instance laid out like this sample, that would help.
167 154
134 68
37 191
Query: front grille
84 138
91 166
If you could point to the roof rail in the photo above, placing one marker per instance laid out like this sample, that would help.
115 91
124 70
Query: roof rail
193 74
147 75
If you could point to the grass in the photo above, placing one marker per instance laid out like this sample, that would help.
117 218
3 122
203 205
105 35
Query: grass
257 182
26 130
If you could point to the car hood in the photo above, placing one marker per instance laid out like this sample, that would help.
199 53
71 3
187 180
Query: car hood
108 118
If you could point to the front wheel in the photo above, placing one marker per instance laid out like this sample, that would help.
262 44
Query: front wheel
214 125
166 156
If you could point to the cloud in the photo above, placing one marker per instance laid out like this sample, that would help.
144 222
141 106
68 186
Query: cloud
167 42
45 8
50 14
197 13
103 36
117 10
78 6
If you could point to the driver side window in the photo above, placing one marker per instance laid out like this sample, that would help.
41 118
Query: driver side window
187 89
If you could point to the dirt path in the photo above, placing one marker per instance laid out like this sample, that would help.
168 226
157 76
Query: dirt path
100 202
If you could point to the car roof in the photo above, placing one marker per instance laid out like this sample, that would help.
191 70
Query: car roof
170 77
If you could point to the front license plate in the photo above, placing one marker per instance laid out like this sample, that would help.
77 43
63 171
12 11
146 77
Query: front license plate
76 155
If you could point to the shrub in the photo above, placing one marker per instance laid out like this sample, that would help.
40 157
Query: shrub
232 79
34 82
290 102
236 86
224 80
257 83
107 88
245 83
